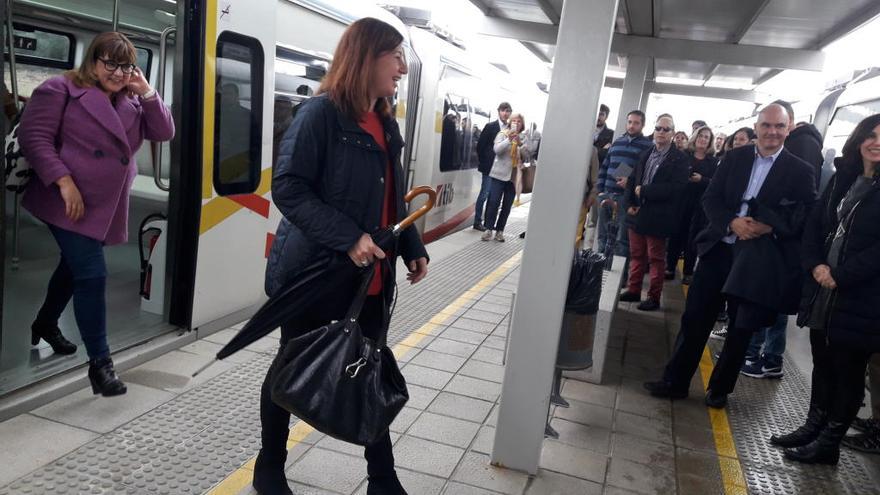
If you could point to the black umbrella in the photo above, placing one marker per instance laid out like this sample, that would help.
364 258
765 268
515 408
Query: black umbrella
315 282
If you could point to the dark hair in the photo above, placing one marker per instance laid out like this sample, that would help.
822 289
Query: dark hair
115 46
748 130
505 106
348 82
603 108
851 156
698 123
787 106
638 113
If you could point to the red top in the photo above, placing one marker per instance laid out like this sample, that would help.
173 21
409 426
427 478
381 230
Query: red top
371 123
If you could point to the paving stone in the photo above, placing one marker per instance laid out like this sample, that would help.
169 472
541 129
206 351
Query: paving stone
476 470
454 488
550 483
701 439
641 403
426 377
482 370
438 360
489 355
30 442
697 473
466 336
589 392
418 483
613 490
330 470
492 420
173 372
473 387
495 342
640 478
82 409
584 413
485 440
460 406
485 316
443 429
420 397
405 353
585 437
474 325
427 457
209 350
643 451
691 412
330 443
405 418
453 347
644 427
580 463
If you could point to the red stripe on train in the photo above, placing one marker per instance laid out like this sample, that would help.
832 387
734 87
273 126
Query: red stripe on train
257 204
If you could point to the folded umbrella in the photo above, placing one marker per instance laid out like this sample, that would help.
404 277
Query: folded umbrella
315 282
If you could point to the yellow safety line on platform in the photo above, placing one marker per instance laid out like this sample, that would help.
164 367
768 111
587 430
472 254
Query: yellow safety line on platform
728 462
242 477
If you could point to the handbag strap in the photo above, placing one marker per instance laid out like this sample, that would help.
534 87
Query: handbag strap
357 304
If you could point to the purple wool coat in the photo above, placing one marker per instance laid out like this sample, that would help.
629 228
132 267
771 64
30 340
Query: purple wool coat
68 130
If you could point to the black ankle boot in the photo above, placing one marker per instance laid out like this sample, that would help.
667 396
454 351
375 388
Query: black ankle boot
385 485
52 335
823 450
809 431
269 476
104 379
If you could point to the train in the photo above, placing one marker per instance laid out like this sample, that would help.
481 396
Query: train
201 224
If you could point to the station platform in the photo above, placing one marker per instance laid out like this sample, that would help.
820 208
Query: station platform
175 435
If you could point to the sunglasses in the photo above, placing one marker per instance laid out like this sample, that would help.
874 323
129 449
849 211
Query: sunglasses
111 66
663 129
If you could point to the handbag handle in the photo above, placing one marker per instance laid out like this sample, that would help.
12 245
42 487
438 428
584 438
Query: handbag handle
354 310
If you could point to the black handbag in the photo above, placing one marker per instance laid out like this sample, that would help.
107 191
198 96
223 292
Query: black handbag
338 381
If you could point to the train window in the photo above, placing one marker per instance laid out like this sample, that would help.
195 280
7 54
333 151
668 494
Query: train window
238 114
297 77
41 46
845 121
461 120
144 60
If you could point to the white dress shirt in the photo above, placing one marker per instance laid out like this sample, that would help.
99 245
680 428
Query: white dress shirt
760 169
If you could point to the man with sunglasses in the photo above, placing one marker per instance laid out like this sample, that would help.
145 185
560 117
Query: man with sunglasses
653 195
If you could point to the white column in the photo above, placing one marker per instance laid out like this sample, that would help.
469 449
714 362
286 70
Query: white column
633 90
578 75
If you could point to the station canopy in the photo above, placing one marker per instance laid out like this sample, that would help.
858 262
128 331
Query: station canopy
713 48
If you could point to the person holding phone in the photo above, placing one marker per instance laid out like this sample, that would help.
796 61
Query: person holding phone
80 132
511 151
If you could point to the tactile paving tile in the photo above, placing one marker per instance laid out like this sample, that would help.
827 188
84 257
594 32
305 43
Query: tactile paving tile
192 442
761 408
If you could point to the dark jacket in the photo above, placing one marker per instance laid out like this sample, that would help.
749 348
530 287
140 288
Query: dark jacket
855 307
329 183
659 201
790 180
605 137
693 191
805 142
486 146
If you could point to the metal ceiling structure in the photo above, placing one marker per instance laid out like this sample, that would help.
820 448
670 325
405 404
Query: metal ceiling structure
698 48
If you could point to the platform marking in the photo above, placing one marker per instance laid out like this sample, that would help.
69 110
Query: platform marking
242 477
732 477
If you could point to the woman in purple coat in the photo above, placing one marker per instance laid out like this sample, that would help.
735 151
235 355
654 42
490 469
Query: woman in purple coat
80 132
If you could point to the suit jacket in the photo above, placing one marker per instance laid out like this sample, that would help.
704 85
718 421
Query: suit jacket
486 146
605 137
660 201
68 130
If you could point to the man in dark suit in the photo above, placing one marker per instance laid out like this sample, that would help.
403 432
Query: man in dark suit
654 192
772 176
486 154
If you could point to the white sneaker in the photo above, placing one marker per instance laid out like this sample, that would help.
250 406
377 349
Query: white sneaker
499 235
487 235
719 333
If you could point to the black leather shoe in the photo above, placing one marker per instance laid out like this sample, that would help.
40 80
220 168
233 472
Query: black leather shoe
103 378
717 401
53 336
649 305
479 226
269 476
809 431
669 275
630 297
825 449
664 389
384 485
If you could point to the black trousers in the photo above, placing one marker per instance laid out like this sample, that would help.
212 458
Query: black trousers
275 421
704 301
838 381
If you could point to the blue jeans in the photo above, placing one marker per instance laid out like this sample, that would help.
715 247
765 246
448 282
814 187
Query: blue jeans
82 275
773 341
501 195
481 199
621 246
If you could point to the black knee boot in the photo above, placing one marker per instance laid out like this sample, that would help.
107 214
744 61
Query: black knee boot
382 479
269 478
823 450
809 431
103 377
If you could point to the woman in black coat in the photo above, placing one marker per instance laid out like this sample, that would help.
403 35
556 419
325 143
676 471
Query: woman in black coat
338 179
841 301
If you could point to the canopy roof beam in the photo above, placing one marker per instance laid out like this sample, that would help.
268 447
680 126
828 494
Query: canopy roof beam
685 90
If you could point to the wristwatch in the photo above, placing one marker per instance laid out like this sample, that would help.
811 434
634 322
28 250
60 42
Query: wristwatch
149 94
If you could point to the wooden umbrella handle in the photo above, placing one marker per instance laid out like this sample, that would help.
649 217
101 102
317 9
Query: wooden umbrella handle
425 208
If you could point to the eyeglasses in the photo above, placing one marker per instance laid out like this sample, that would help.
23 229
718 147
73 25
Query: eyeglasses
111 66
663 129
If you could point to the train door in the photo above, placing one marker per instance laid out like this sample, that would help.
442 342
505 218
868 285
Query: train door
234 231
48 38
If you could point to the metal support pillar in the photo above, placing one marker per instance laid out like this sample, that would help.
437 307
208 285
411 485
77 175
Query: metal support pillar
578 76
633 89
115 25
